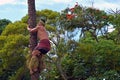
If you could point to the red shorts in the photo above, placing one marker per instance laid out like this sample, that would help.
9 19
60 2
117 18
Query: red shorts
43 46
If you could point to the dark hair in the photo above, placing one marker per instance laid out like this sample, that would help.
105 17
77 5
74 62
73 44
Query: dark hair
42 20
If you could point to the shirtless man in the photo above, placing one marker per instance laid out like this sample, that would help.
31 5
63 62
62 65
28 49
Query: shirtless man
43 46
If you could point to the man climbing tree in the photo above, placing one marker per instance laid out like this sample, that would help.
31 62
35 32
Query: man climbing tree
36 62
42 48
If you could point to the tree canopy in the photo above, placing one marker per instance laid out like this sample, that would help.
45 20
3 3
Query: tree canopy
3 24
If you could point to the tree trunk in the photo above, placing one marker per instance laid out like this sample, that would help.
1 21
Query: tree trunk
33 36
32 23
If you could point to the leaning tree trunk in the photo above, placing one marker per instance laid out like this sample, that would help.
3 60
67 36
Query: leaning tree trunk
33 36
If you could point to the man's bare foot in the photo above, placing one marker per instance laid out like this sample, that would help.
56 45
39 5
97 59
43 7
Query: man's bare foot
33 70
36 53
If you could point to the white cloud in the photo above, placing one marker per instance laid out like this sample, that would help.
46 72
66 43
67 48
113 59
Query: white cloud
63 1
53 2
20 2
44 2
106 5
3 2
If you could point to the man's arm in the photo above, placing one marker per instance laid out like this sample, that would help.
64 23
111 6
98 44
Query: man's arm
32 29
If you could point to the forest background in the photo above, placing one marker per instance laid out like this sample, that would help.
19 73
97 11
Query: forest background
82 46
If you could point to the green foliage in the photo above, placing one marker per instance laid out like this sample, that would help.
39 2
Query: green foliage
13 49
3 24
108 75
15 28
25 19
19 74
12 55
2 41
111 75
93 61
114 20
50 28
45 14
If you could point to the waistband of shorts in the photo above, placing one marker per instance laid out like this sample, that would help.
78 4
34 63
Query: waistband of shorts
44 40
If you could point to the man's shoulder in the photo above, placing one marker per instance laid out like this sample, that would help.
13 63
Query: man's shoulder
41 27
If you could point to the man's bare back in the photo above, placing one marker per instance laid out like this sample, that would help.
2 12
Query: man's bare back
42 33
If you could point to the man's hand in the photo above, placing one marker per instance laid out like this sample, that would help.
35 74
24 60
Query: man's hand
28 28
32 29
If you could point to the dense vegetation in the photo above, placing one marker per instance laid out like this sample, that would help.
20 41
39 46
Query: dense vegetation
82 46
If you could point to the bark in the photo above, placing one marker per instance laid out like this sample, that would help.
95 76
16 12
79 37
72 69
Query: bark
32 23
33 36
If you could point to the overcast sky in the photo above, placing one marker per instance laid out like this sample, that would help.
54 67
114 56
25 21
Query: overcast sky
15 9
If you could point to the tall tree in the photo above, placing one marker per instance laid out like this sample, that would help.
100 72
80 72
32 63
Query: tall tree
84 19
33 36
12 60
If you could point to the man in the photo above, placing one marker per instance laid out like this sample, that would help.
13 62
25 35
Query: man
42 48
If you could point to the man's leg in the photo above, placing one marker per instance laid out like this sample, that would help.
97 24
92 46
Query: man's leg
41 63
35 76
35 73
41 66
34 63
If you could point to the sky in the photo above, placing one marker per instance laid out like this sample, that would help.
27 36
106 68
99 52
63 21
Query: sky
14 10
